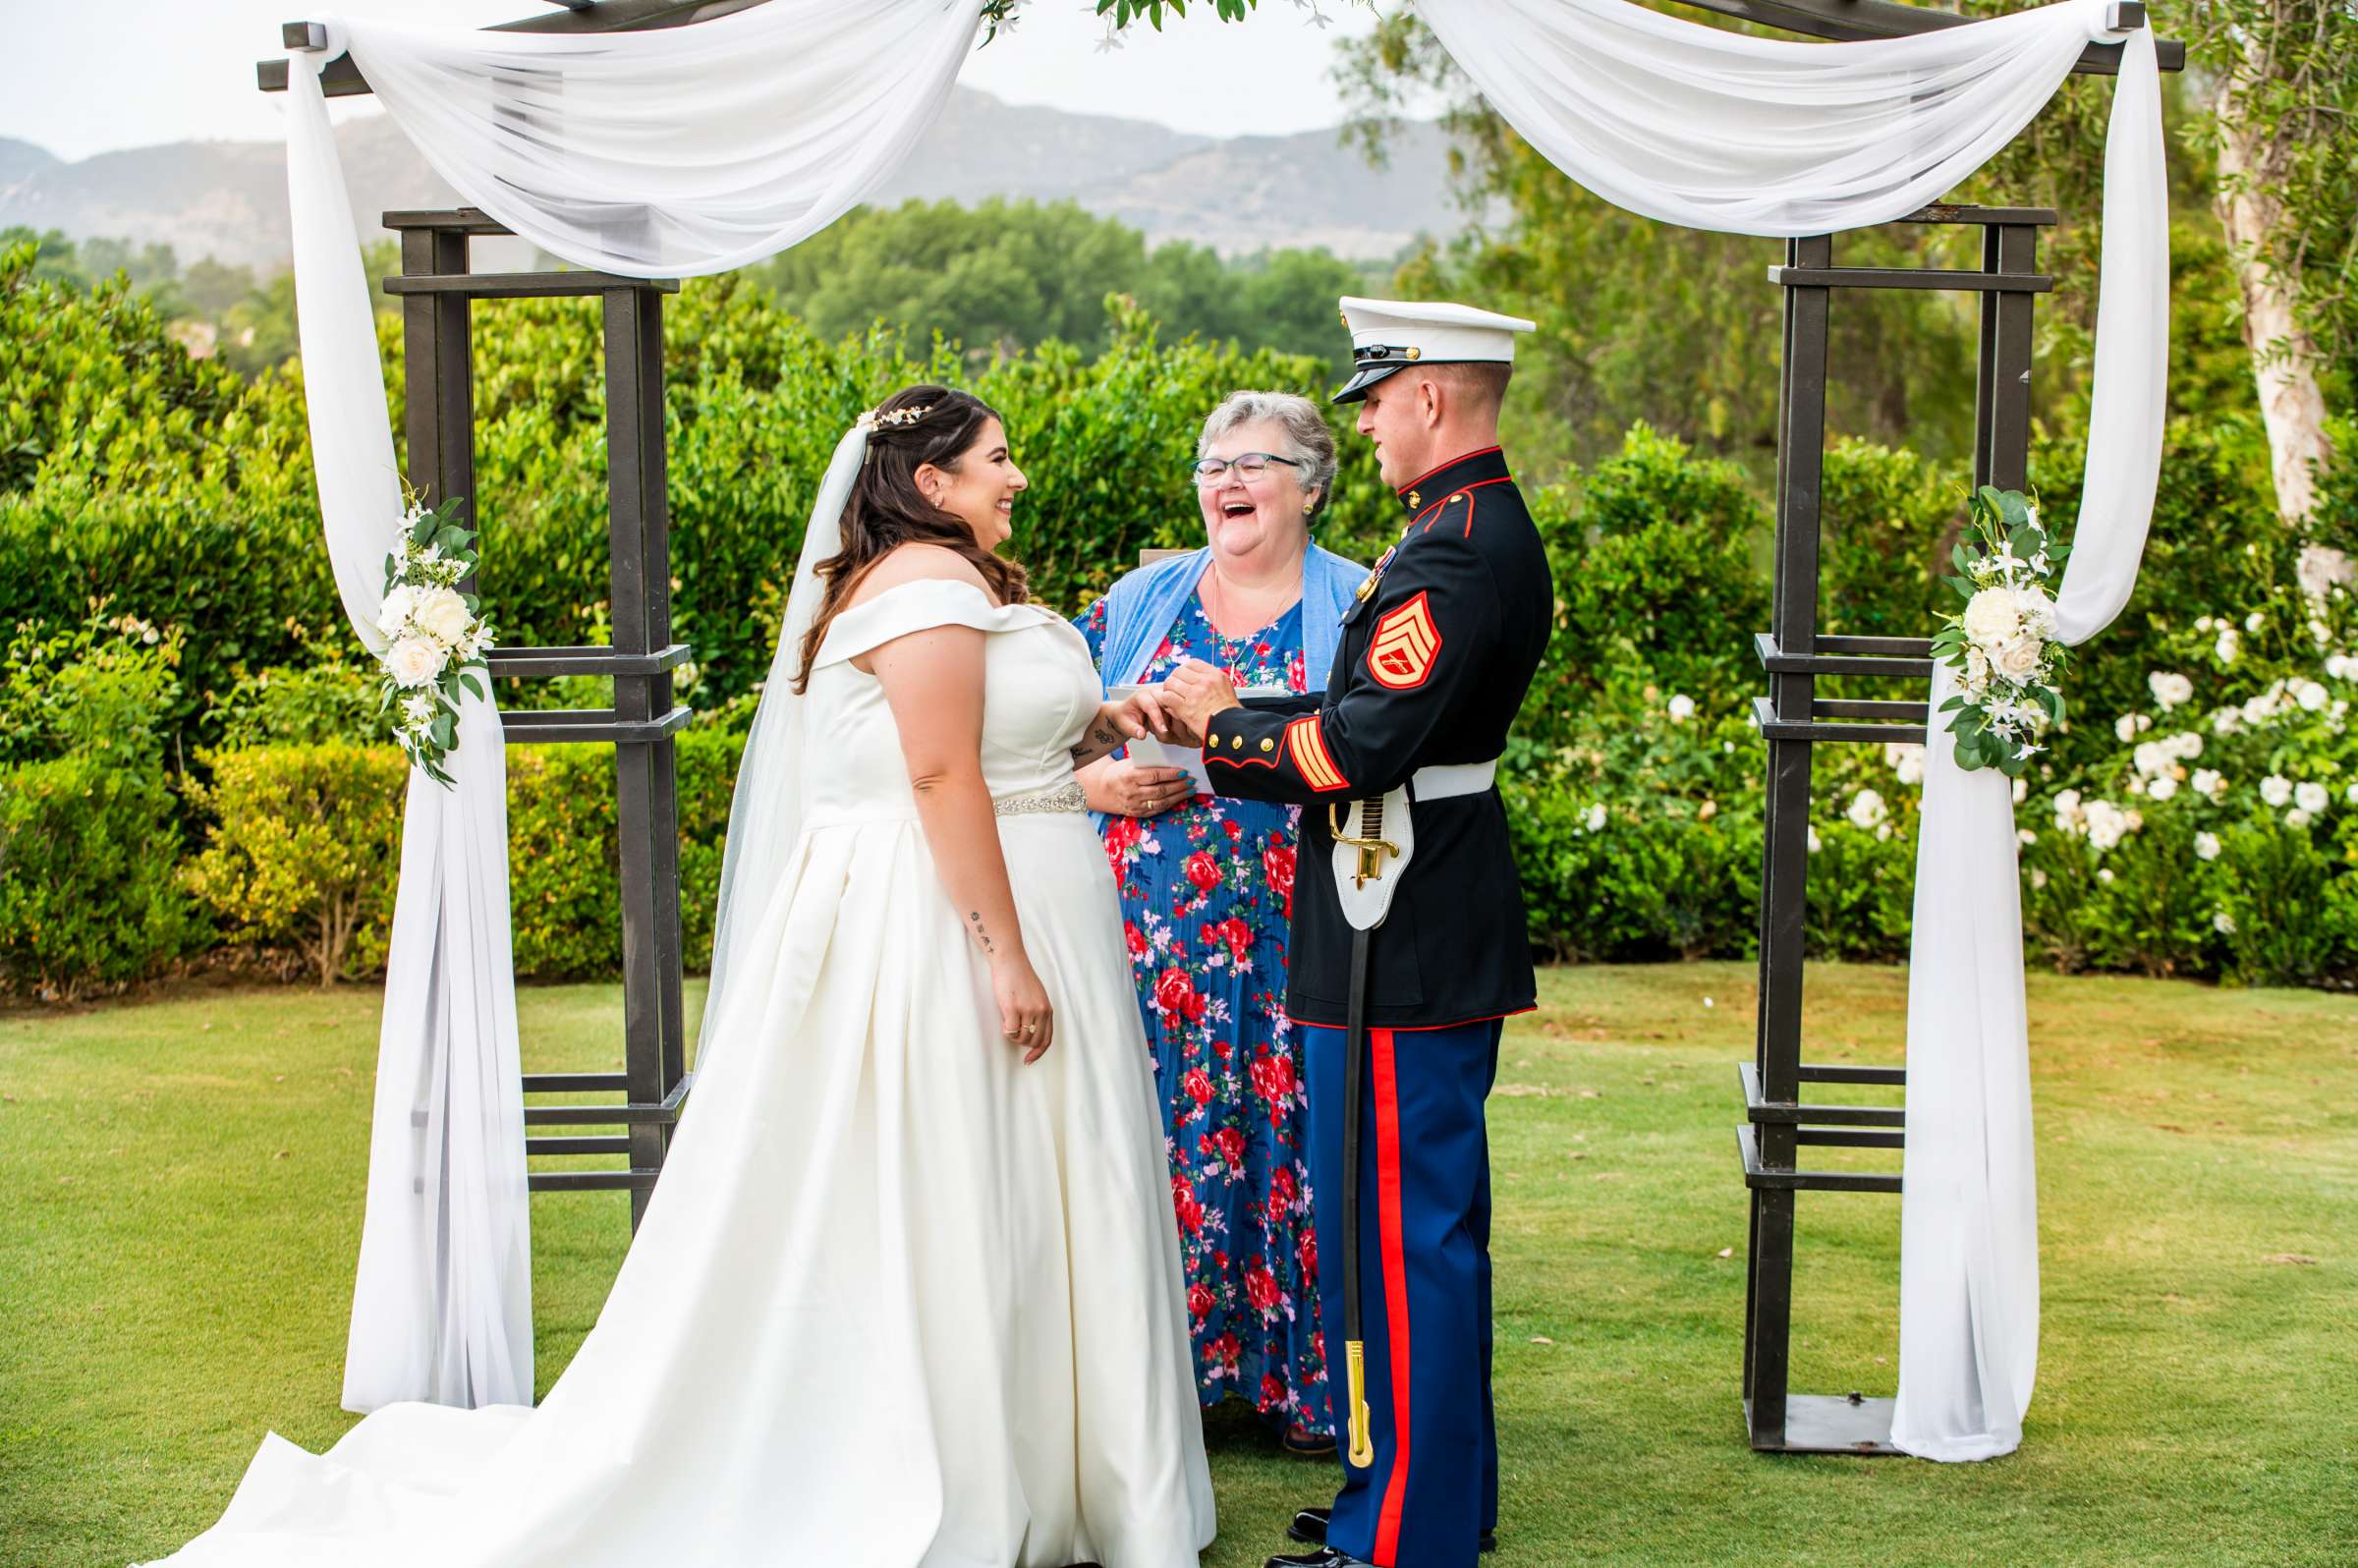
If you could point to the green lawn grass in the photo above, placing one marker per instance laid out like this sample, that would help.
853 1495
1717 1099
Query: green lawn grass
183 1183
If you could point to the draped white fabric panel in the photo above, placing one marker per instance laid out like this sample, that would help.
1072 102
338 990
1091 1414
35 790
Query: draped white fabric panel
1724 131
1969 1247
442 1306
1716 129
679 151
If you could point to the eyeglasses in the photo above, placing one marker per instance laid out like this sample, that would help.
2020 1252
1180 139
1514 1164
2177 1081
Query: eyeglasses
1249 467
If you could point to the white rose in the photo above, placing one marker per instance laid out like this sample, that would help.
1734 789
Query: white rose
2023 835
2342 667
2351 794
2038 878
2161 789
2068 815
2254 621
2022 790
1907 761
2104 875
2206 781
2226 721
2124 728
1594 822
414 661
2170 689
2202 623
2227 647
2018 659
1865 809
2106 823
2186 744
1682 707
393 616
442 615
2319 633
2310 797
2205 845
1815 846
2296 817
2149 758
2276 789
2310 696
1992 617
2224 924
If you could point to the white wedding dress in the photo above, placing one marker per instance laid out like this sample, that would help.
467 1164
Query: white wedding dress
899 1299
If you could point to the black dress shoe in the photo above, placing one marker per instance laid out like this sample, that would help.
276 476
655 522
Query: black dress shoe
1321 1558
1310 1525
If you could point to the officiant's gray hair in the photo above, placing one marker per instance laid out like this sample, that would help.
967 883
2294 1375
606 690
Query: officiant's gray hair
1305 431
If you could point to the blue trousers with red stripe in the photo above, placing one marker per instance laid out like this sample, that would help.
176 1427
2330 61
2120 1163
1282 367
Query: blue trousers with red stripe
1425 1288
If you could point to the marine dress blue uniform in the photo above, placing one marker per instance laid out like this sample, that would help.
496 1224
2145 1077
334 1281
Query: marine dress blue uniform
1436 654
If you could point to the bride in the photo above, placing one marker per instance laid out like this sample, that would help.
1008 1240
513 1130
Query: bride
908 1293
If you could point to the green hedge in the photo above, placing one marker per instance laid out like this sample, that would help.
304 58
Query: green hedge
88 889
303 853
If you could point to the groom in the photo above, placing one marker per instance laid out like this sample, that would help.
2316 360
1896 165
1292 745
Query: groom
1407 958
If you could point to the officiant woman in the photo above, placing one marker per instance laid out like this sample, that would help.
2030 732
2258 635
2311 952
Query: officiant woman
1206 889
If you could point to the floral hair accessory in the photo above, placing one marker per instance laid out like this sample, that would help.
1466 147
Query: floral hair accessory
894 418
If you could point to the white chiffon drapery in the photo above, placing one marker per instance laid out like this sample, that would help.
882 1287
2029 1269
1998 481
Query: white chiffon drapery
700 148
682 150
441 1306
1968 1222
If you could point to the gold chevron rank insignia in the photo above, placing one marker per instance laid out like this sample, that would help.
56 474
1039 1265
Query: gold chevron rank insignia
1401 654
1308 749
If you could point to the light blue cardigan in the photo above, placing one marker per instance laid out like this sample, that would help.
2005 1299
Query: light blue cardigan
1140 607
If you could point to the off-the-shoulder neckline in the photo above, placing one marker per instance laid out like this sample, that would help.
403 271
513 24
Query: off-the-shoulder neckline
922 581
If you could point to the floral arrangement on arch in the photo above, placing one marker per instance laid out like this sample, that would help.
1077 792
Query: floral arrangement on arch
434 634
2002 638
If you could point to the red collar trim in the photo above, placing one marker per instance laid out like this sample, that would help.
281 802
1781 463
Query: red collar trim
1436 467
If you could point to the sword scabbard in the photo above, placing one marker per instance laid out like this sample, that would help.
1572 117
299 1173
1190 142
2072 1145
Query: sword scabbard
1363 1446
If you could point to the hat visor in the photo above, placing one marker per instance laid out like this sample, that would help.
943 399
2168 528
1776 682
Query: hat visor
1363 379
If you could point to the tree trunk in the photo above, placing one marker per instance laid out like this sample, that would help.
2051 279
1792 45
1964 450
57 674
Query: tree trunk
2283 359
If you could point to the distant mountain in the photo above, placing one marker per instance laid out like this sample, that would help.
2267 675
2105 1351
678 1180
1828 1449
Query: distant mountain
1238 195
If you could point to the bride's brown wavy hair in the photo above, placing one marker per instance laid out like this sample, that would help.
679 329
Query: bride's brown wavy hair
887 510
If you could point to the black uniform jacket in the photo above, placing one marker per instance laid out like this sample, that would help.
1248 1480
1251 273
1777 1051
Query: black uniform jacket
1433 663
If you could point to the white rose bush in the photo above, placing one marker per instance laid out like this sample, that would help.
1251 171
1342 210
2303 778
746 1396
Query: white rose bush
435 636
2003 640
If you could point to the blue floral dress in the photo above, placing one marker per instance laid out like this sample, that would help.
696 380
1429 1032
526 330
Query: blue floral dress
1207 892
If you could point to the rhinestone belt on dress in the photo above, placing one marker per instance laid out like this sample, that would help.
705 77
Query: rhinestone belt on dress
1066 797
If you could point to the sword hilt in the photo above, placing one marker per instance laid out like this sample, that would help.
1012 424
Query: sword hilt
1363 1447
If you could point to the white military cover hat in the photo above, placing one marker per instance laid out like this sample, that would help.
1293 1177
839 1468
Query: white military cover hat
1389 335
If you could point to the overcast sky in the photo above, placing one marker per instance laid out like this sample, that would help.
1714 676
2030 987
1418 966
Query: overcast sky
87 77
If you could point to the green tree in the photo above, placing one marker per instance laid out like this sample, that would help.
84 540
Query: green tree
1004 276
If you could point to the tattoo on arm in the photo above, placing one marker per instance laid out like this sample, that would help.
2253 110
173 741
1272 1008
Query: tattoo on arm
1100 739
981 935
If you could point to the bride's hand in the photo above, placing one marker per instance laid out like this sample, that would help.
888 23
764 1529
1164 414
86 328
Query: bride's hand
1152 708
1131 789
1025 1017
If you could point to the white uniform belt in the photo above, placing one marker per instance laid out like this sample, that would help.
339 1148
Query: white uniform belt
1456 778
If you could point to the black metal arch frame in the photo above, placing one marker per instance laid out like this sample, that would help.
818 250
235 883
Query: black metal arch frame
439 290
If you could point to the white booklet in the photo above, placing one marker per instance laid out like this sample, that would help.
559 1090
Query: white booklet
1151 752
